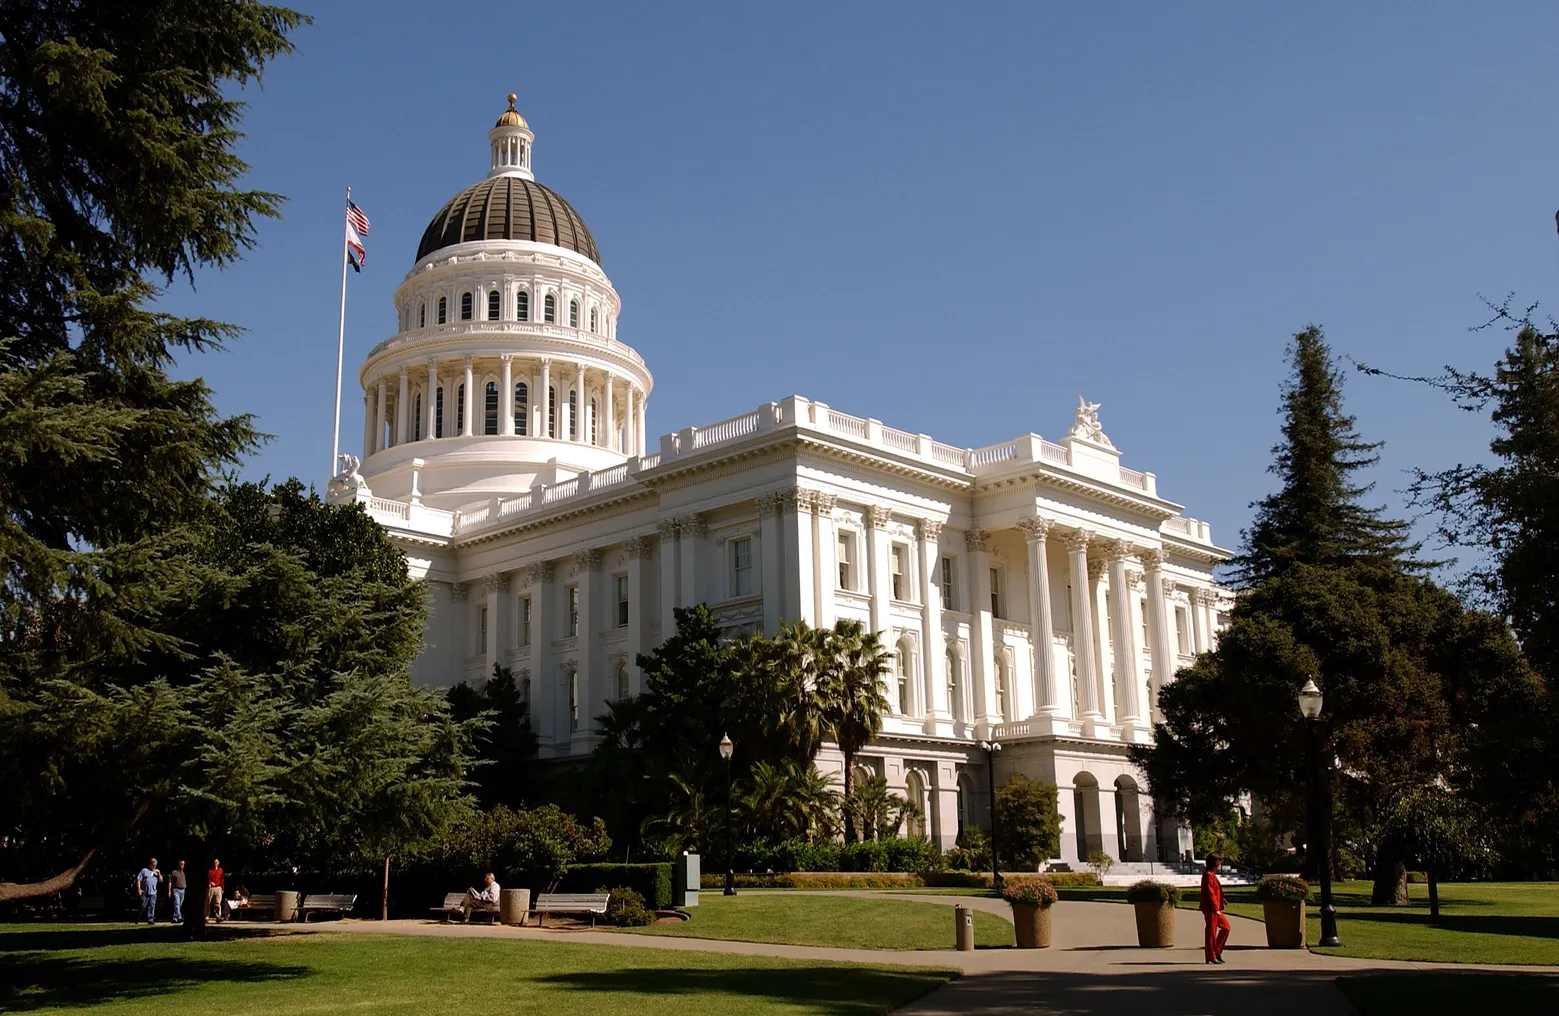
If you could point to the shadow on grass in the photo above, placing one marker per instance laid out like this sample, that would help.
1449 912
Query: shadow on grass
1479 924
37 980
58 937
1186 990
1432 992
843 990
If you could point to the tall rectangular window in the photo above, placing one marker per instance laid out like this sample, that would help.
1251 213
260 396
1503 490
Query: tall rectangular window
522 306
492 305
1144 643
465 306
741 567
525 620
573 611
573 701
481 629
438 413
622 601
1182 631
947 585
996 592
899 563
846 560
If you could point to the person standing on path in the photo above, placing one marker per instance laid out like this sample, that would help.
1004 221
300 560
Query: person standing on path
214 891
1212 910
178 882
147 881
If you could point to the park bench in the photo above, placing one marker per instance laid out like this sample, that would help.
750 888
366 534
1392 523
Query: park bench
455 903
327 903
92 906
259 903
570 903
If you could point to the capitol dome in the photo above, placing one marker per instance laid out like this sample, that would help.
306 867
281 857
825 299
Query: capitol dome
508 208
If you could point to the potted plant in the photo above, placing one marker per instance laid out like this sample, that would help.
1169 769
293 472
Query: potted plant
1031 900
1155 906
1283 908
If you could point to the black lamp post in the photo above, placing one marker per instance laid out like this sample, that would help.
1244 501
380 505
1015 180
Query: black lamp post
1320 810
991 748
726 748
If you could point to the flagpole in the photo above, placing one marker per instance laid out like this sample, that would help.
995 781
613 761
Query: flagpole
335 432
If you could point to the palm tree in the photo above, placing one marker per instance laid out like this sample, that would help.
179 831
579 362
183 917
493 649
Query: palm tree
851 663
875 808
684 825
819 803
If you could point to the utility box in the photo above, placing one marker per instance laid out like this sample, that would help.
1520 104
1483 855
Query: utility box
685 877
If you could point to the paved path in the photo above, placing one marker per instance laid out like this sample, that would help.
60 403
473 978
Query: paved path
1091 968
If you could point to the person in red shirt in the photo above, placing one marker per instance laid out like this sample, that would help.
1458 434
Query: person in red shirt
1212 911
214 891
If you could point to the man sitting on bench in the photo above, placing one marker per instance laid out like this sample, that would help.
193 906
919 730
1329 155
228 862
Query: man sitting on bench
486 899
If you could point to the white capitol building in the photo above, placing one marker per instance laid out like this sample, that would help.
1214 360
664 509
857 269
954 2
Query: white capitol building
1034 593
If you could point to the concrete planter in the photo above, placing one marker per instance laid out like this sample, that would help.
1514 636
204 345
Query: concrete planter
512 905
1031 924
1155 925
1285 923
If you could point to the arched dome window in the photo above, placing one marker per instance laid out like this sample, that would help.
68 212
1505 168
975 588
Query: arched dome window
422 314
490 408
552 409
521 305
438 412
594 416
573 416
549 309
416 423
466 307
521 408
460 408
443 309
492 305
573 313
592 319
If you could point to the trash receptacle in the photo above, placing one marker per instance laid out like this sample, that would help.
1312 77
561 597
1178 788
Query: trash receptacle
965 929
513 904
685 876
286 905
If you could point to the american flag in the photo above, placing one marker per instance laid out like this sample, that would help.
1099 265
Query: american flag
356 226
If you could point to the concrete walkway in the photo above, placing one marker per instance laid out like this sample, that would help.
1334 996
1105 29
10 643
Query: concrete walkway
1092 968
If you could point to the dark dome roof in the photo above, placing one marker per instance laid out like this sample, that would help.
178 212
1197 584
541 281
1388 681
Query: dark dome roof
508 208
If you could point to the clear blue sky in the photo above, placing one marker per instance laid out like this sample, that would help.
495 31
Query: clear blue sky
955 218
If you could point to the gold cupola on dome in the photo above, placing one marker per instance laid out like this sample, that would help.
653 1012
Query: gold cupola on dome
511 139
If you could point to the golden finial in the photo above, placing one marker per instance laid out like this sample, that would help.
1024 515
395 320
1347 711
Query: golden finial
512 97
511 117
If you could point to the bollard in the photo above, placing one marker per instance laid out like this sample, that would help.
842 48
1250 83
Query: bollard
964 932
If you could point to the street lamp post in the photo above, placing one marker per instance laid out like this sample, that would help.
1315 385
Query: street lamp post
991 748
1320 812
726 748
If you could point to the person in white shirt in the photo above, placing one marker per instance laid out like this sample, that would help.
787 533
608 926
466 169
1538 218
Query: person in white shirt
484 899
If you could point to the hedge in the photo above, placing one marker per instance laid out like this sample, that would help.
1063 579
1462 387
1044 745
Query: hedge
818 880
982 879
652 881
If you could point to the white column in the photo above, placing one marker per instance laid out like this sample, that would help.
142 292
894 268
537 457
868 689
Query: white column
1047 693
639 550
506 397
1082 627
877 580
827 544
543 677
933 692
1125 641
544 400
1160 649
638 424
668 557
977 542
468 401
609 436
1101 641
769 507
402 417
1202 620
630 429
368 423
379 413
690 534
593 693
582 406
430 401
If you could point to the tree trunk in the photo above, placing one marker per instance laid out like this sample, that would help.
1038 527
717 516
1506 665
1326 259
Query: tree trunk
11 891
384 896
197 900
849 787
1434 896
1390 888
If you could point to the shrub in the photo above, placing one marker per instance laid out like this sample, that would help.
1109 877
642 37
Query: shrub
1030 823
1149 891
653 881
1101 863
1418 877
1284 888
982 879
626 909
818 880
1029 890
1072 879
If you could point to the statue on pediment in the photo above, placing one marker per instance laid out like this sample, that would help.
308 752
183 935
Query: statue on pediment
1086 423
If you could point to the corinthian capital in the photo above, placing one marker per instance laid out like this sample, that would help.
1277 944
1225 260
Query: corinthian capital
930 530
1119 551
1077 541
639 548
693 525
1034 529
496 583
668 528
541 571
1151 557
977 540
877 516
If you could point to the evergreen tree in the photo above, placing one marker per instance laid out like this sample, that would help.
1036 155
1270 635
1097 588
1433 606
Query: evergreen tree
506 745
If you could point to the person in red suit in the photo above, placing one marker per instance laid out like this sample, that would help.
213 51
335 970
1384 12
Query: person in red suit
1212 911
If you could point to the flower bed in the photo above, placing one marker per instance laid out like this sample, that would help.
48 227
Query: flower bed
1035 890
1149 891
1282 888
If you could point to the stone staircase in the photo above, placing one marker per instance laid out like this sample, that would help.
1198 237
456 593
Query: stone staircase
1179 873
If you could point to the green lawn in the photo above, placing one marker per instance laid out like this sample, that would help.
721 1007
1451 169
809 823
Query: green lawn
1432 993
845 922
57 969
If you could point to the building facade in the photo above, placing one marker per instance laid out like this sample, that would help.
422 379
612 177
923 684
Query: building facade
1034 594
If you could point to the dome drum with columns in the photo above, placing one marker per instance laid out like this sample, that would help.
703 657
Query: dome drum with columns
506 371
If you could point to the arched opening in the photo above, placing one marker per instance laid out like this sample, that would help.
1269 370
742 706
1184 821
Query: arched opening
1002 683
552 411
438 412
490 408
965 803
465 306
1128 818
492 305
915 794
521 408
622 680
573 415
460 408
592 319
549 309
595 415
1085 806
443 309
573 700
422 315
521 305
416 422
573 313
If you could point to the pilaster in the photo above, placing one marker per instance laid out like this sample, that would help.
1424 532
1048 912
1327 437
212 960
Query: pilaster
670 559
932 654
981 646
771 570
